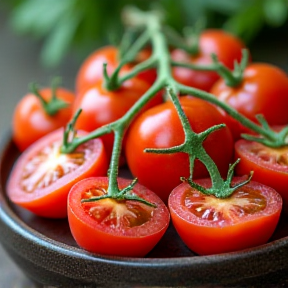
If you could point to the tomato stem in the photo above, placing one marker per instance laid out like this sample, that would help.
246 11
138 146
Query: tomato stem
52 106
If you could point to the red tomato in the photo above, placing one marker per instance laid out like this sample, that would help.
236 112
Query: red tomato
118 228
160 127
42 176
209 225
264 90
270 165
227 47
91 71
31 122
100 106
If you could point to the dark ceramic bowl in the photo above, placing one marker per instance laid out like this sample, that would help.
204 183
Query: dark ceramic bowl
46 252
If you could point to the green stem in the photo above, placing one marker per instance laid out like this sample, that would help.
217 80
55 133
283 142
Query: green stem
55 104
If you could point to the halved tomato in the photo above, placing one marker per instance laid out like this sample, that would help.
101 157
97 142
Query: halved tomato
113 227
209 225
42 177
270 165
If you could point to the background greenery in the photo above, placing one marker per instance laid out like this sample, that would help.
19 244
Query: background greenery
81 26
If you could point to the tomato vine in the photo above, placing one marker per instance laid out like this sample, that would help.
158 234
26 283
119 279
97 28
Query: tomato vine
193 145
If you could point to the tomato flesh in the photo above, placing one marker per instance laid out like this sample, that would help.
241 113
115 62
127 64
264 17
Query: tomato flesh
42 176
119 228
209 225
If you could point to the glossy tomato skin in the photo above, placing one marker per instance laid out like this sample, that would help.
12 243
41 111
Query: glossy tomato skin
41 178
91 70
100 106
270 166
101 238
226 46
264 90
234 227
160 127
31 122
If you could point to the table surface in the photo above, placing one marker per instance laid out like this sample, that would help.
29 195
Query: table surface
19 66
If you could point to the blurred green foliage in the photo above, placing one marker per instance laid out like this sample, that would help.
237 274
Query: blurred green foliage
83 25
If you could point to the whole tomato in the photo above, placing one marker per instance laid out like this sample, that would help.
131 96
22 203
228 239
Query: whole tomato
100 106
31 121
160 127
263 90
227 47
91 71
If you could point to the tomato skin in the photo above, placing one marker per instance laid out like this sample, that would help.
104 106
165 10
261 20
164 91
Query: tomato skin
208 237
51 201
98 238
160 127
265 172
91 70
100 106
31 122
226 46
264 90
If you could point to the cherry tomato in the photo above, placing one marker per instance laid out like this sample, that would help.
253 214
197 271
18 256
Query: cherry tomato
160 127
118 228
100 106
209 225
91 71
42 176
270 165
31 122
264 90
227 47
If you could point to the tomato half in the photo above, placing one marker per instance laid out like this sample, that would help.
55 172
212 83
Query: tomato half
118 228
160 127
263 90
100 106
270 165
31 122
209 225
227 47
42 177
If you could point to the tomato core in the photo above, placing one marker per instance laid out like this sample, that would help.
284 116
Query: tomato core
244 201
115 213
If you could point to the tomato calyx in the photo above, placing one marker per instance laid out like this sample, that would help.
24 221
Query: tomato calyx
124 194
55 104
226 189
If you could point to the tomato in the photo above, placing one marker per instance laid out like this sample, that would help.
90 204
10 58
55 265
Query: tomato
263 90
227 47
209 225
91 70
270 165
42 177
111 227
31 122
100 106
160 127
